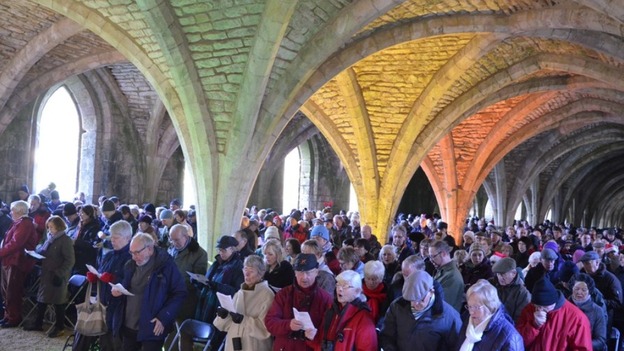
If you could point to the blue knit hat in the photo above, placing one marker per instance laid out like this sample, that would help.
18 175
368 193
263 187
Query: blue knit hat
544 293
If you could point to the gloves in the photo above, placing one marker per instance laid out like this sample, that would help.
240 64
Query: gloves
92 278
57 281
107 277
236 317
222 312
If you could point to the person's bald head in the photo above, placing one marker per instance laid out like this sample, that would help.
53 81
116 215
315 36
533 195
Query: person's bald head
178 236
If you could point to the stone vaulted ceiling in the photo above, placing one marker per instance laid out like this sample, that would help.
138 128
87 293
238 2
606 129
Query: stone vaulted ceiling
530 90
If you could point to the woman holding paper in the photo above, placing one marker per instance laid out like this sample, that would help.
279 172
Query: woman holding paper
348 324
55 271
245 325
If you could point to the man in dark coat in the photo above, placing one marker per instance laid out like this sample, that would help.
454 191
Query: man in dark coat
15 264
188 257
420 319
146 317
606 282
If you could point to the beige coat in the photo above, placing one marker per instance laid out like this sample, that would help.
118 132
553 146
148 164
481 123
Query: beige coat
253 305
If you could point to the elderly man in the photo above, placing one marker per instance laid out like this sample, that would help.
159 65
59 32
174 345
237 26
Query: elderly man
420 318
375 246
188 257
39 213
304 295
510 287
606 282
15 264
166 218
144 318
111 271
447 274
550 322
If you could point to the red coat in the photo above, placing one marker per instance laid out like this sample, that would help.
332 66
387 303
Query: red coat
21 235
566 328
351 328
280 314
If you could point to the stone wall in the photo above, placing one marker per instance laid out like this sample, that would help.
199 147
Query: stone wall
16 156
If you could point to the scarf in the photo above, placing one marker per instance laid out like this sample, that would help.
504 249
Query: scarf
50 239
580 302
375 298
418 314
474 334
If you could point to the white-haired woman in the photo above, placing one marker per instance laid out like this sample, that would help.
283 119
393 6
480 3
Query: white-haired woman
534 260
348 324
375 289
488 326
245 326
389 258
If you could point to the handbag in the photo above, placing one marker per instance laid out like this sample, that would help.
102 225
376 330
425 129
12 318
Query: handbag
91 319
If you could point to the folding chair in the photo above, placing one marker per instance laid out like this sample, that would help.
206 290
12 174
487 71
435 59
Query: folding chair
613 340
201 332
29 302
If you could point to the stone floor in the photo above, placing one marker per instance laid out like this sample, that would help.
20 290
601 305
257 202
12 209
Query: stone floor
17 339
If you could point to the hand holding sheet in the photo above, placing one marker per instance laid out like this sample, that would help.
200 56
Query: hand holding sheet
304 318
121 289
34 254
226 301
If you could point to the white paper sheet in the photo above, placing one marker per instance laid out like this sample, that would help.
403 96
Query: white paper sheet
34 254
304 318
121 289
198 277
226 301
93 270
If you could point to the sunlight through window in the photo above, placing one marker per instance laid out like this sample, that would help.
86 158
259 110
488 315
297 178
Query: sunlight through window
189 197
353 203
292 167
57 149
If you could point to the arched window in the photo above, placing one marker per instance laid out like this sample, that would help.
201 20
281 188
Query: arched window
292 169
353 201
57 145
189 196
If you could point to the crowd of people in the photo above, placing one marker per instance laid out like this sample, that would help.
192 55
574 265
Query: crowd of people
316 280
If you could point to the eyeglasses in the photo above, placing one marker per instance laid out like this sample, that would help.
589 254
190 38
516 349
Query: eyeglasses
436 255
134 253
422 301
473 308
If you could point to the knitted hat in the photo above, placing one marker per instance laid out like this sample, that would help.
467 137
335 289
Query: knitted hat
470 234
551 245
544 293
478 247
146 219
504 265
576 256
149 208
417 286
320 230
108 205
226 241
69 209
271 232
166 214
24 188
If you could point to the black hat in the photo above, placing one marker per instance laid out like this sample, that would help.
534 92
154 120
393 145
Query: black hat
114 199
296 214
108 205
69 209
149 208
226 241
442 225
268 218
146 219
24 188
305 262
544 293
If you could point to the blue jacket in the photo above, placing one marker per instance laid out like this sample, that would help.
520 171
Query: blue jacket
500 334
437 329
162 299
227 277
113 263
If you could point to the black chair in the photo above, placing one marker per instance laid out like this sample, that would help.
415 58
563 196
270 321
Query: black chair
613 341
201 333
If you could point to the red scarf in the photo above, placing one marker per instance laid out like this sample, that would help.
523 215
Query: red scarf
374 298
